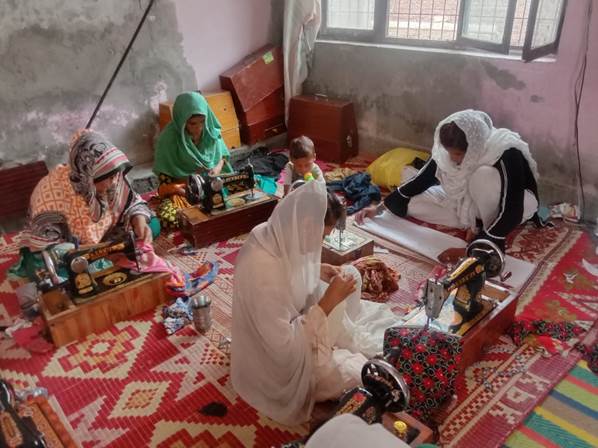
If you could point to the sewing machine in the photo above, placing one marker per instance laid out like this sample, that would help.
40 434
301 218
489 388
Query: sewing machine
211 191
82 282
464 283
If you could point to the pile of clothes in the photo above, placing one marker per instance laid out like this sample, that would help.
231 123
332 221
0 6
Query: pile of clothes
378 279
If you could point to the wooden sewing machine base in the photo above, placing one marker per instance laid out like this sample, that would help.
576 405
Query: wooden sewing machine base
495 318
70 322
357 247
202 229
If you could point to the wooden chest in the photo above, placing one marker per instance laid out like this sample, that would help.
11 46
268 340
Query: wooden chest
16 186
68 322
330 123
203 229
264 120
222 105
255 77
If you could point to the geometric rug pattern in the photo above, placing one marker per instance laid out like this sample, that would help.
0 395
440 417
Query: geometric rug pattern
135 386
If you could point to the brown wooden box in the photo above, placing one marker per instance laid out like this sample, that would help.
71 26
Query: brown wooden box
17 185
330 123
271 106
255 77
426 435
222 105
68 322
337 258
203 229
261 130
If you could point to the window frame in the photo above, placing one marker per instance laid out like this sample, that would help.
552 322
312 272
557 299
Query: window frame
378 33
528 53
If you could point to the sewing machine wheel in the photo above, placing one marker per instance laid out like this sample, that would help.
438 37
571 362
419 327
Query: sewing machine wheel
496 260
386 384
116 278
195 189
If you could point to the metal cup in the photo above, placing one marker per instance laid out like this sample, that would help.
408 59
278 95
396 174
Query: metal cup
201 307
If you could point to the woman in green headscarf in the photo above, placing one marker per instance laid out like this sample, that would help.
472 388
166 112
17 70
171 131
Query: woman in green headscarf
191 143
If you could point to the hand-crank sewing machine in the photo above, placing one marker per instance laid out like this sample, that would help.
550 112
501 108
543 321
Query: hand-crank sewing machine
211 191
464 284
224 206
83 279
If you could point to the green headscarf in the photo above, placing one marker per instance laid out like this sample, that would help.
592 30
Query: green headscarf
176 154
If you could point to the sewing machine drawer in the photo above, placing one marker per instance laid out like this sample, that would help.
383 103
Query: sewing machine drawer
261 130
68 322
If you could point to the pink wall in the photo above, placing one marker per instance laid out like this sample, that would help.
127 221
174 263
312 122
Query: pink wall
551 112
218 33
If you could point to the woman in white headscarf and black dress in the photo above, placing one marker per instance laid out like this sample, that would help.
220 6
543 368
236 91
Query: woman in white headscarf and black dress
479 178
299 330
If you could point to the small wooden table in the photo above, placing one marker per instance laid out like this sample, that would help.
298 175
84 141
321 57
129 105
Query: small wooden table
202 229
360 247
69 322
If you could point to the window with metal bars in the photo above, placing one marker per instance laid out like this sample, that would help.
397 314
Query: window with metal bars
533 26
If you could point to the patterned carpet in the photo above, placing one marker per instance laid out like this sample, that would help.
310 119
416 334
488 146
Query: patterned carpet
134 386
567 418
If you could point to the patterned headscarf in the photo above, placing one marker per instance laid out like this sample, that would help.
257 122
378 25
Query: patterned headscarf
92 159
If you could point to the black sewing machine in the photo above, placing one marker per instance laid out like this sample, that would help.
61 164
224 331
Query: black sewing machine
384 390
465 282
211 191
17 425
77 262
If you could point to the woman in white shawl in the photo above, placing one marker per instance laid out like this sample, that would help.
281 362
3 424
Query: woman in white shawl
487 181
287 327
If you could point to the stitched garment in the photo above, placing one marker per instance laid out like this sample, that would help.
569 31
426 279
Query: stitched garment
378 280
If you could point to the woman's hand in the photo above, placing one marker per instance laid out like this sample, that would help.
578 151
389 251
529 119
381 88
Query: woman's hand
368 212
328 271
217 169
141 228
339 289
452 255
470 235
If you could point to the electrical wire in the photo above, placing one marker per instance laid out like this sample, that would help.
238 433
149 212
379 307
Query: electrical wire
578 93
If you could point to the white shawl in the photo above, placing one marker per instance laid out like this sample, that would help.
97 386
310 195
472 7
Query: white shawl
486 145
276 280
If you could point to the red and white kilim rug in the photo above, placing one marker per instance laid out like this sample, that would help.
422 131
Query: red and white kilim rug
134 386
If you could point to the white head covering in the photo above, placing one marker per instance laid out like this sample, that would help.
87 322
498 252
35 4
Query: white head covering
350 431
276 279
486 145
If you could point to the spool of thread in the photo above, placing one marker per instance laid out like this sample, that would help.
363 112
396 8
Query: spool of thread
400 428
201 308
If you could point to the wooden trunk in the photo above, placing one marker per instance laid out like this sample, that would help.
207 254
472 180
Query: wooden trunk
255 77
16 186
203 229
254 132
69 322
222 105
328 122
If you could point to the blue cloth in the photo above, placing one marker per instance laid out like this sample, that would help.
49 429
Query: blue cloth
358 189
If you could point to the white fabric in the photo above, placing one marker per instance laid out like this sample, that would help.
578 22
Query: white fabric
486 145
431 243
282 356
485 191
302 19
350 431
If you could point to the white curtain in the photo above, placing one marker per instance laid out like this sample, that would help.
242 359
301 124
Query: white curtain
302 19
